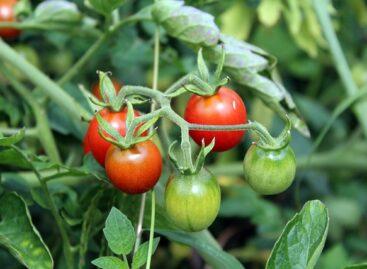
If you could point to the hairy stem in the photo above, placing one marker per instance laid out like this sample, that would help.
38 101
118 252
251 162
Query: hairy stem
152 113
151 231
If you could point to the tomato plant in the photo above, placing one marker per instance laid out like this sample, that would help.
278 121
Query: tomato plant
225 107
7 15
115 172
192 201
134 170
269 171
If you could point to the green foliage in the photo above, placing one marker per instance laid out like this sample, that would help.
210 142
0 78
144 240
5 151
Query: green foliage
120 236
105 6
141 255
302 239
277 57
110 263
119 232
19 236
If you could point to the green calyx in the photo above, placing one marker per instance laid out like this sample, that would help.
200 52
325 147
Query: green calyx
134 133
199 163
111 99
22 9
214 80
266 141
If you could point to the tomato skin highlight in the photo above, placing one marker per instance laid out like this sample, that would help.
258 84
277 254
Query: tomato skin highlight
269 171
98 145
97 92
224 108
192 201
7 15
134 170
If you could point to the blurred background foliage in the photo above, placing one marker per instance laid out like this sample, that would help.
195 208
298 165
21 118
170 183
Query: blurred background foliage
249 224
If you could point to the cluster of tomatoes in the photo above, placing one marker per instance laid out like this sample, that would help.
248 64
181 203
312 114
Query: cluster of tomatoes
192 200
7 15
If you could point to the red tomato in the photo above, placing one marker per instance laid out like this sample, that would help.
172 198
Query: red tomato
97 92
7 15
224 108
97 144
134 170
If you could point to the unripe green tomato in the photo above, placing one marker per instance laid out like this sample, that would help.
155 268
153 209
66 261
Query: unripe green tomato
269 171
59 62
27 53
192 201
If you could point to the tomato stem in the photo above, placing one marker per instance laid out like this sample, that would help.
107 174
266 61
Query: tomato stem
151 231
133 126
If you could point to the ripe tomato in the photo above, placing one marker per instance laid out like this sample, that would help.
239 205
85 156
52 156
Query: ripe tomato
223 108
192 201
269 171
134 170
98 145
97 92
7 15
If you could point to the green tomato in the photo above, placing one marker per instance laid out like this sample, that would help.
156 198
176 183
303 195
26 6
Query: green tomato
27 53
192 201
269 171
59 62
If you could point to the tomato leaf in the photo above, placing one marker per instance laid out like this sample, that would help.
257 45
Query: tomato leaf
13 158
141 255
302 239
105 6
243 62
110 262
57 13
203 242
11 140
19 236
119 232
186 23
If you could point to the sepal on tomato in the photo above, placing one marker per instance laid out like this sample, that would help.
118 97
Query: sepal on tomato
110 134
200 160
22 9
214 80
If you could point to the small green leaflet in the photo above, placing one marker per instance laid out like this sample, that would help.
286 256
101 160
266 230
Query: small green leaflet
110 262
302 239
119 232
141 255
105 6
